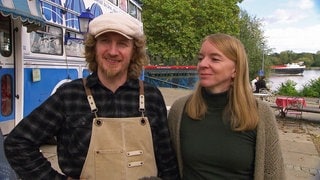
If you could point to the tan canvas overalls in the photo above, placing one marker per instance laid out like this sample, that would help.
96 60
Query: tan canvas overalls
120 148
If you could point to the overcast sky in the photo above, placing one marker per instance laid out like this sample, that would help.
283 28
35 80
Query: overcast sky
288 24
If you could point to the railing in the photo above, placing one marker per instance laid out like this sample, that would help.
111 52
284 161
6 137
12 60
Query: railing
163 83
185 82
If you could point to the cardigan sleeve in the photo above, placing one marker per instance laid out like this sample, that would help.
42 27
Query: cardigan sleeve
269 163
174 121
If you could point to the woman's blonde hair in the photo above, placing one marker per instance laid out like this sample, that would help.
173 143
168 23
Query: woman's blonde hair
138 60
242 107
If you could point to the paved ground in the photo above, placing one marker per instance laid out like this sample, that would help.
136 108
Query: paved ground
300 155
302 160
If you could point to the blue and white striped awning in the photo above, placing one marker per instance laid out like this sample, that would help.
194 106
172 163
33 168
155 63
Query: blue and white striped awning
27 11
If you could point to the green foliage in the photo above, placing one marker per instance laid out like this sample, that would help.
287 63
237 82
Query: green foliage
316 58
288 88
312 88
285 57
251 35
174 28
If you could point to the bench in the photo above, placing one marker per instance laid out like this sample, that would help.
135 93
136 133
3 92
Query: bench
304 109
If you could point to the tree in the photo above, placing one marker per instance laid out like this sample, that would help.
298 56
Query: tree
285 57
174 28
316 59
307 58
252 37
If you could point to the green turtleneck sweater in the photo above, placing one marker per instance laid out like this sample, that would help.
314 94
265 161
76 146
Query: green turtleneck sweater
211 150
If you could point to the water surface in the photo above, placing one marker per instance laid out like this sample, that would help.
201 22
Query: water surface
274 81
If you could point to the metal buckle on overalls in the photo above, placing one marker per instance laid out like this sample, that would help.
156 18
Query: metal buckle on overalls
98 122
143 121
142 113
141 105
92 104
95 112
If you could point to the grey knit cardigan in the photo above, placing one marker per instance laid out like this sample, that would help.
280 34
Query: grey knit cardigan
268 159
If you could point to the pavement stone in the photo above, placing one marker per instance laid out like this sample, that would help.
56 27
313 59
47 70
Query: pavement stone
300 155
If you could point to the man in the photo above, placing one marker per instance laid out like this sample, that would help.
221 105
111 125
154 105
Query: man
253 83
261 84
109 125
6 172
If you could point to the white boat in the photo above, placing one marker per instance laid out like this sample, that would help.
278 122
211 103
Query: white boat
290 68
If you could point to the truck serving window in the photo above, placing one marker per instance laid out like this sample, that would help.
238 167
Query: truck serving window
5 37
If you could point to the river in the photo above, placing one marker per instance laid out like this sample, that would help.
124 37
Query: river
274 81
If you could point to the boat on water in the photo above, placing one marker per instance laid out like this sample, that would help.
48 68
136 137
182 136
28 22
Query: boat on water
170 76
289 69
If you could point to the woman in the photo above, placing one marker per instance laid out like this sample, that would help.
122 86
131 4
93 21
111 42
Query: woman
221 131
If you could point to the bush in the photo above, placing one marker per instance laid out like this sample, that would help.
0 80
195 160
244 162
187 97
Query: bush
312 88
288 88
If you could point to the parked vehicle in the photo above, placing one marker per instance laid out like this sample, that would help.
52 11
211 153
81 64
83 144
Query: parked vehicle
41 48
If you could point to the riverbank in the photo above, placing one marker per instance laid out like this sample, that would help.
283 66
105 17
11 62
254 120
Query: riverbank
313 68
172 94
274 81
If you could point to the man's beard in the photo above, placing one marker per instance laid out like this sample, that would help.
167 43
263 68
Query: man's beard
112 73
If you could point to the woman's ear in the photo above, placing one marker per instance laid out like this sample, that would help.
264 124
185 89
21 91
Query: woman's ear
234 73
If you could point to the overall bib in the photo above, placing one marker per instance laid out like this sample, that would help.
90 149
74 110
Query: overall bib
120 148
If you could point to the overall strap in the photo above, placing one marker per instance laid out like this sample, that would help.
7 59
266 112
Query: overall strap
94 108
92 104
141 98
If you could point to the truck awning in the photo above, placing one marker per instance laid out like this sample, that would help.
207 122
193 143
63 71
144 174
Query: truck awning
27 11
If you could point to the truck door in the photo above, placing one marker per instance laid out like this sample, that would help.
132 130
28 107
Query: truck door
7 112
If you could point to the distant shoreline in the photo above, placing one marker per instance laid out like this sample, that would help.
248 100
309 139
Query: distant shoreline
313 68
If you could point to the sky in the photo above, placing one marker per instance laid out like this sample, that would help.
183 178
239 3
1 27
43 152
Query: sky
288 24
